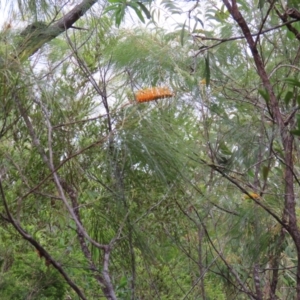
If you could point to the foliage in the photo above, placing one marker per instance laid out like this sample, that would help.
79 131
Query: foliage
193 196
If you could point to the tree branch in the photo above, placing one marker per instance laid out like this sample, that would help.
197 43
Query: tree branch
35 42
39 248
287 139
240 37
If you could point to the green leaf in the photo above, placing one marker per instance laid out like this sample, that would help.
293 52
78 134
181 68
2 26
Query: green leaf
290 35
264 94
144 9
123 283
295 132
197 19
207 70
110 8
221 15
298 120
265 172
138 12
120 12
182 34
261 4
224 149
291 81
288 97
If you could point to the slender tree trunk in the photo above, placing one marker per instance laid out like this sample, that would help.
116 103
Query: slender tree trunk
257 283
286 137
200 261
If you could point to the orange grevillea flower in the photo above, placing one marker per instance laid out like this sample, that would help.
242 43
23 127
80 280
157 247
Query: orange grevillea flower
253 195
151 94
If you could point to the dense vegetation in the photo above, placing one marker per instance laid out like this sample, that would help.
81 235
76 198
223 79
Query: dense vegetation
193 195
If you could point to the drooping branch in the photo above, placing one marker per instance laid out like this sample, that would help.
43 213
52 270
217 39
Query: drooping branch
42 251
242 189
241 286
104 280
44 34
57 179
63 186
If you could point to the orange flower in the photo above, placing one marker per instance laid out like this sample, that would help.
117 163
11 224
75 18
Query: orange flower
151 94
253 195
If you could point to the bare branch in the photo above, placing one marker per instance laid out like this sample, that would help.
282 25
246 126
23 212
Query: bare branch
240 37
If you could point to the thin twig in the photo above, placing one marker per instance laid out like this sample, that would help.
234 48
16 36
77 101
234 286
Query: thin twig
221 40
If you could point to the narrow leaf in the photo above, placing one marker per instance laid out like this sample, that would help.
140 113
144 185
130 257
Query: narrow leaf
138 12
295 132
200 21
264 94
261 4
265 172
298 120
145 10
293 82
119 15
182 34
288 97
207 70
109 8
